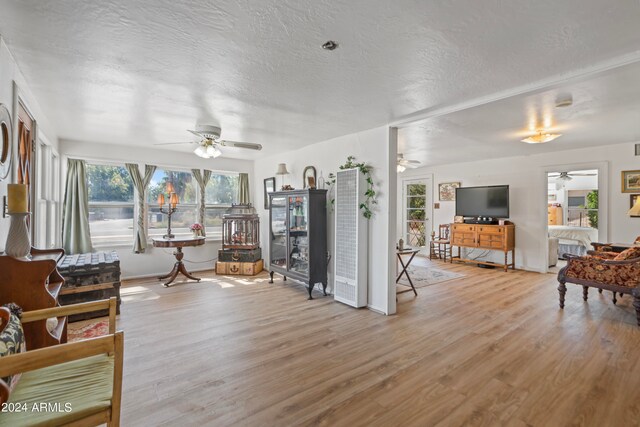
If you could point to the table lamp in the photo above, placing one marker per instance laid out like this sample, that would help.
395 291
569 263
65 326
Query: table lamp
171 208
635 210
282 170
18 240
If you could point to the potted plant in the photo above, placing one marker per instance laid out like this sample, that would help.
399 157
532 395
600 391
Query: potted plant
197 229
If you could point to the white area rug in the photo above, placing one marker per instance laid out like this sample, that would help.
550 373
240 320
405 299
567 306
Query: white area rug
427 276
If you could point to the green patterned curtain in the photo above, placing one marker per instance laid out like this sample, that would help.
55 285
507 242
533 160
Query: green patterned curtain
76 236
202 179
141 184
243 189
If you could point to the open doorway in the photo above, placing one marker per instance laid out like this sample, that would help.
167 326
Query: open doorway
572 214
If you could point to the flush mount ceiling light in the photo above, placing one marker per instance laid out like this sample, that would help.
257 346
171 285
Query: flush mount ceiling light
541 137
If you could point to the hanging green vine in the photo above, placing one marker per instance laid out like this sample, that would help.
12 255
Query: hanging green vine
370 194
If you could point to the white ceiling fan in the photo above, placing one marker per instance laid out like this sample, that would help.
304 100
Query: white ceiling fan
568 176
210 142
403 164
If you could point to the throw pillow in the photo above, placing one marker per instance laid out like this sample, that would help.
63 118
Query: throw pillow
630 253
12 339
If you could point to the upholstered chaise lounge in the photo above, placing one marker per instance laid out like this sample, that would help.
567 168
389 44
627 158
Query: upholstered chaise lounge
604 270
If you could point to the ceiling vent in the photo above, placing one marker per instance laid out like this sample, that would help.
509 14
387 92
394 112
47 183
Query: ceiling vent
330 45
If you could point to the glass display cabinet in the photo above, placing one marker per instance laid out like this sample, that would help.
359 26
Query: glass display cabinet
298 236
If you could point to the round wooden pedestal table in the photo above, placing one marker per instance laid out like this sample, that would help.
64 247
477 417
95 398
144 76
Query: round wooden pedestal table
178 243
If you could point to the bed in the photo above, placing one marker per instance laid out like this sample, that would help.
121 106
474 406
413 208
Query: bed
573 240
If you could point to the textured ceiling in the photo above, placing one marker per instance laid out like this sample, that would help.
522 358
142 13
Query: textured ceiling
605 110
142 71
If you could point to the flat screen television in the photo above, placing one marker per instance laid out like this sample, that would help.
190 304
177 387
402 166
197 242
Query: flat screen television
491 201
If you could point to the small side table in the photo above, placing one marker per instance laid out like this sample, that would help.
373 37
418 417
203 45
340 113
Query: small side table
400 253
178 267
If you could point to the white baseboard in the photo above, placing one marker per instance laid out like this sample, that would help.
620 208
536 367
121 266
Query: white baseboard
377 310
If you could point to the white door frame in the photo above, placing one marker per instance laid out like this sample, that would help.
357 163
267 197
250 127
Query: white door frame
428 180
603 202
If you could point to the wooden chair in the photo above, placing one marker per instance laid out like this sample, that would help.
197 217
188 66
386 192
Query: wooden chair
440 247
86 375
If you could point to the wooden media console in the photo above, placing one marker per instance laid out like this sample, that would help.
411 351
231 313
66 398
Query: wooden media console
488 237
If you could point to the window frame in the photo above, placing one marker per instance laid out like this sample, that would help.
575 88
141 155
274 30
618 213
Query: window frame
221 206
148 205
133 204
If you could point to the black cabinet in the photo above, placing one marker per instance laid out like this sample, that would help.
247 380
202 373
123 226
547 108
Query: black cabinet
298 236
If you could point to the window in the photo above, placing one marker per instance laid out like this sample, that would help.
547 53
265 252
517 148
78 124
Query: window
220 193
416 221
576 201
47 197
111 205
187 190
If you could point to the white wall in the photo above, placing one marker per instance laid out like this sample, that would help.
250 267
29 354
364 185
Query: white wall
372 147
527 178
155 260
13 86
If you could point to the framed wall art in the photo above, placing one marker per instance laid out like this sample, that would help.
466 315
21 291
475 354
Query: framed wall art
631 181
447 191
269 187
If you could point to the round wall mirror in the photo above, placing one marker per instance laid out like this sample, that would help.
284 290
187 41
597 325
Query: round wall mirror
5 143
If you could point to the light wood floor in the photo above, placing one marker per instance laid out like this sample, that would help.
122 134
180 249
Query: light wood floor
488 349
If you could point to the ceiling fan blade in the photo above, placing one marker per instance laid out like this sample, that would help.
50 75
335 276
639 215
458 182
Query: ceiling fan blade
175 143
196 133
247 145
410 166
583 174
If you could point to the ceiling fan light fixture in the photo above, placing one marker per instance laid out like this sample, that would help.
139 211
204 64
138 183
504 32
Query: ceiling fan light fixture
541 137
200 151
400 168
563 178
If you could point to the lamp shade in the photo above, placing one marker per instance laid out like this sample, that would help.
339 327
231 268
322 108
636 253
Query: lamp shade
282 169
200 151
635 210
170 188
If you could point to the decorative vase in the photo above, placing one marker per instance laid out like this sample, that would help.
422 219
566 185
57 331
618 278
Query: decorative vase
321 182
18 241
